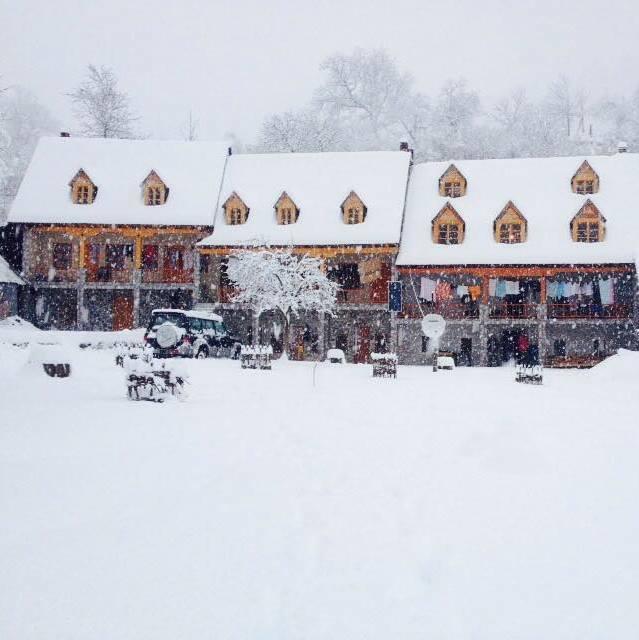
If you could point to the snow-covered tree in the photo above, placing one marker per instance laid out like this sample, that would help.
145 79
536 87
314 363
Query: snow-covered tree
22 121
276 279
367 92
101 109
308 130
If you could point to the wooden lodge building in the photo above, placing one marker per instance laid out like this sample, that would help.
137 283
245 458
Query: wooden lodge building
522 255
346 208
107 228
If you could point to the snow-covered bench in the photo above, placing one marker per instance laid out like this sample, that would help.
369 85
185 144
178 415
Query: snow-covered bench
384 365
257 357
529 374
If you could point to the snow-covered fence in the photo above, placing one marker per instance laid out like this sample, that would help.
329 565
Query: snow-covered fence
257 357
384 365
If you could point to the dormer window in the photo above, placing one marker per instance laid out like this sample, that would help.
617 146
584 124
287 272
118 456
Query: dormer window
510 233
510 226
452 183
286 211
353 209
83 191
585 181
235 210
588 225
448 226
155 191
154 196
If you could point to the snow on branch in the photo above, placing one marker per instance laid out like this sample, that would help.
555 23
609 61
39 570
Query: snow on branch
269 279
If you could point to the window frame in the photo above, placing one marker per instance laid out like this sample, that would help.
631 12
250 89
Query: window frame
62 256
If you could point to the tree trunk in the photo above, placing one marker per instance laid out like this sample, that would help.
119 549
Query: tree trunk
286 338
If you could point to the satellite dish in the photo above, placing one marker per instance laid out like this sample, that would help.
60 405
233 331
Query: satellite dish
433 326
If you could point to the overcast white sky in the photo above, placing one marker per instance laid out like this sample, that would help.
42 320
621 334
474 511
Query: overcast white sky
233 62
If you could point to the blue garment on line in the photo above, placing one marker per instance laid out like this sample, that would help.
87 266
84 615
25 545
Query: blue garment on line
500 288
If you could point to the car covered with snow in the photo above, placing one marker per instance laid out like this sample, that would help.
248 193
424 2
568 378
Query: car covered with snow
189 334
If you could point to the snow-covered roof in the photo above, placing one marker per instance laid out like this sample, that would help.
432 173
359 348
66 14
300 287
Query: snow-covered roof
540 188
7 275
191 170
318 183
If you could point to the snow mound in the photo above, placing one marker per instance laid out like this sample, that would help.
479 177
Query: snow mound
623 365
16 322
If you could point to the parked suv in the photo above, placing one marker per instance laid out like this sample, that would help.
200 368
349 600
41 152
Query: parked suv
189 334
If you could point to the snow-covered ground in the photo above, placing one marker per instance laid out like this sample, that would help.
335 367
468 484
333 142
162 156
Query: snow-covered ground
451 505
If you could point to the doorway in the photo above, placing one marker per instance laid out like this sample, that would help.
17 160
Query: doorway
122 310
466 353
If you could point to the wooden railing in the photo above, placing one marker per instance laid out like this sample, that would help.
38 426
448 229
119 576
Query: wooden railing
575 311
513 310
449 310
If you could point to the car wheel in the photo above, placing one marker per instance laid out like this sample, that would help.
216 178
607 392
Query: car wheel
202 353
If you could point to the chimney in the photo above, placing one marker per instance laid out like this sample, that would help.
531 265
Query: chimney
65 134
622 147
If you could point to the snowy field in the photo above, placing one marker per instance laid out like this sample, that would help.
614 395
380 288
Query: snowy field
443 506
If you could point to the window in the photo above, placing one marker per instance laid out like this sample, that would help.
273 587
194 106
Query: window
585 186
586 180
236 216
196 324
62 253
559 348
151 257
286 210
174 258
452 189
83 191
93 255
117 255
353 216
425 345
82 194
235 210
510 233
452 183
346 275
448 234
286 215
154 195
155 192
588 232
205 263
353 209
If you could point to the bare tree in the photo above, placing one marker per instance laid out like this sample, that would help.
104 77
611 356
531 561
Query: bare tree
562 103
101 109
190 128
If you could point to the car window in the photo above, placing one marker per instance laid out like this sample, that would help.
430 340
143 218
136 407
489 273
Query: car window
220 329
195 324
174 318
209 325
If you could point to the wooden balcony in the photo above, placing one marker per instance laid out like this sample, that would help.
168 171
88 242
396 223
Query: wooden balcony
449 310
500 309
585 311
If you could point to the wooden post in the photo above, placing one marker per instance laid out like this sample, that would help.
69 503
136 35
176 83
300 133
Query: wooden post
138 251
